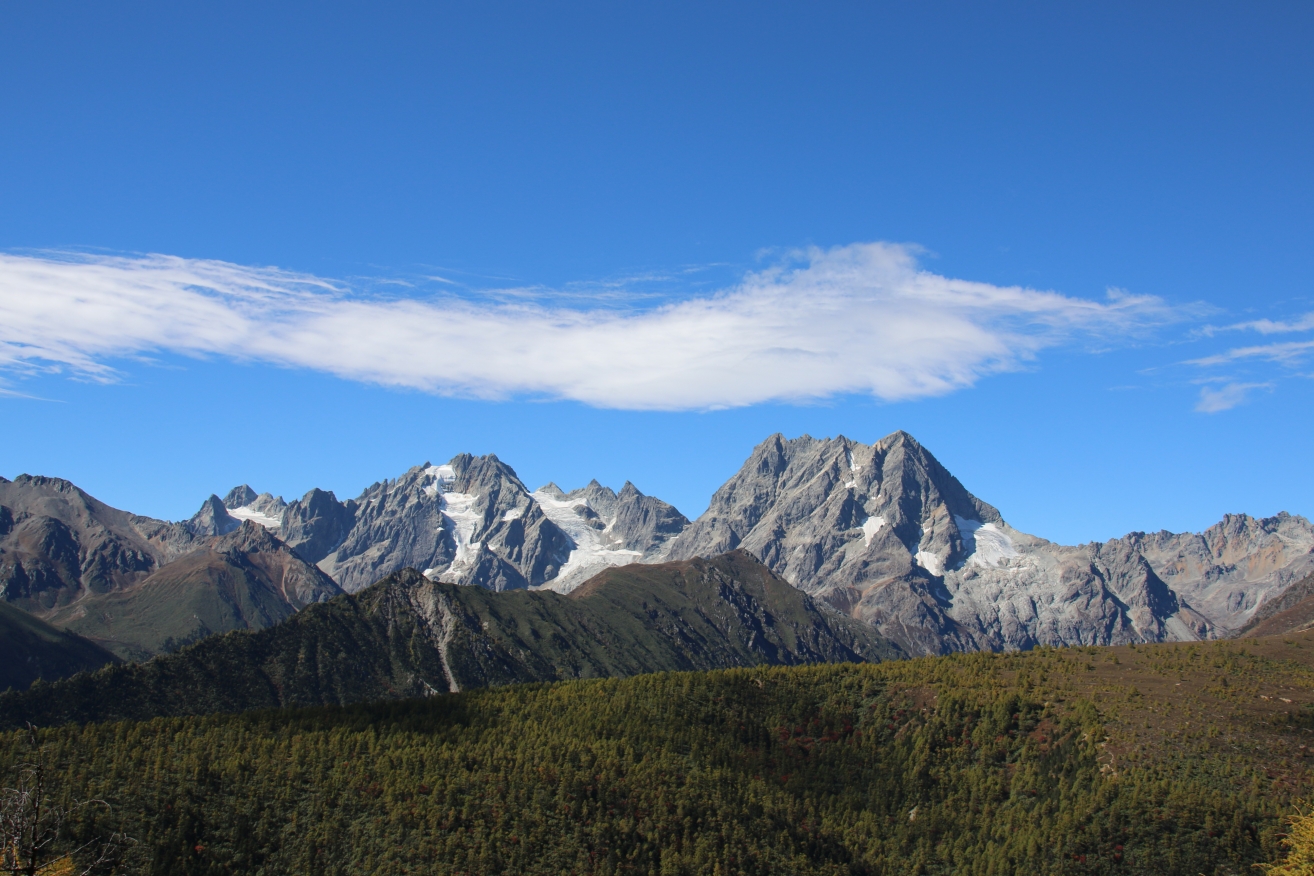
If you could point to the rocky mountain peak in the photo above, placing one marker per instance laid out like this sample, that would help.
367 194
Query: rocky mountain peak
248 537
551 489
894 485
484 475
49 484
239 496
895 438
601 499
266 509
886 533
316 524
212 519
470 521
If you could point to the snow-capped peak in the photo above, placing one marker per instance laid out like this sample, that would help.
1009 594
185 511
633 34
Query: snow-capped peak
590 554
442 479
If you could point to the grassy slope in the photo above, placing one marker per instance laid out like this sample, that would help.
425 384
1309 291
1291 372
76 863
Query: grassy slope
31 648
246 579
1172 759
198 595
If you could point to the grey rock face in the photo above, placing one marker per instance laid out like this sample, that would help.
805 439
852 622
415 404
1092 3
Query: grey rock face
266 509
212 519
397 521
886 534
1232 568
239 496
317 524
646 523
470 521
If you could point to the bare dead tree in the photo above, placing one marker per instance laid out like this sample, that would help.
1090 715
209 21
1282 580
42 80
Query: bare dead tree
33 836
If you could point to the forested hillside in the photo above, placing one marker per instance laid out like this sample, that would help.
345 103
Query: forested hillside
1161 759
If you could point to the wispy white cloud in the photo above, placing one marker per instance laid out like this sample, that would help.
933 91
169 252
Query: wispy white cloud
1224 398
863 318
1267 326
1287 352
1254 366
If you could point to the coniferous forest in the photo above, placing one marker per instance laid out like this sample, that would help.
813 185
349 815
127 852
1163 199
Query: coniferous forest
1144 759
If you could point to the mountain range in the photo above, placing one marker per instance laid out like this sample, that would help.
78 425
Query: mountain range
140 586
409 635
881 533
886 534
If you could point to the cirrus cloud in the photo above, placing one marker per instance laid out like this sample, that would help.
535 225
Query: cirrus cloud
1275 361
864 318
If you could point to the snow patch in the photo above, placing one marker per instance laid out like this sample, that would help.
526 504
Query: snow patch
986 543
930 562
513 514
246 512
442 477
459 510
870 527
590 555
850 484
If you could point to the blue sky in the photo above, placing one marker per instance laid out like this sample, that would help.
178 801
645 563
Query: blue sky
312 245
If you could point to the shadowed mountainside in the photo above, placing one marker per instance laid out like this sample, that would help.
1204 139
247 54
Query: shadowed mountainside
31 648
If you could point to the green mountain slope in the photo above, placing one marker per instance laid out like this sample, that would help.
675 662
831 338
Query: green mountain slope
408 636
31 648
1172 760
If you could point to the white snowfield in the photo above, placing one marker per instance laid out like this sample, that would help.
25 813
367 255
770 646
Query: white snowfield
459 517
930 562
442 477
986 542
590 554
463 520
246 512
870 527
